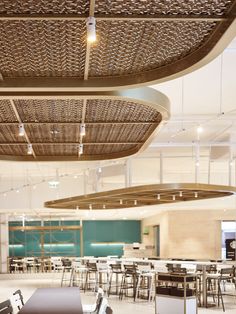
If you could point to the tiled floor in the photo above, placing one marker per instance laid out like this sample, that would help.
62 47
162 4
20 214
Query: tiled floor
28 286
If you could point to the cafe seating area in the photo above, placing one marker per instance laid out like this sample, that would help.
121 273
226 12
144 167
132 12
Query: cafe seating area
211 283
117 157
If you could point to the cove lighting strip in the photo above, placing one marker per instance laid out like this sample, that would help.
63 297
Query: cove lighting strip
16 245
58 244
107 244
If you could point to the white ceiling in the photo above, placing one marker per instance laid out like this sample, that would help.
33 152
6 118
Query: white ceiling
205 97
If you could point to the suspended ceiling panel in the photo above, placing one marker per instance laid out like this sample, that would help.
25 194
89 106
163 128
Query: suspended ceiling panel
43 43
117 124
143 195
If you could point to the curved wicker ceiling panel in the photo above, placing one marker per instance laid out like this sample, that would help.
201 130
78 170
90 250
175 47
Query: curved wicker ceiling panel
117 125
143 195
137 41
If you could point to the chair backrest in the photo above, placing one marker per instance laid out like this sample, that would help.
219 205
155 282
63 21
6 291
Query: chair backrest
102 265
144 266
116 267
6 308
130 269
18 299
227 271
92 266
179 270
103 306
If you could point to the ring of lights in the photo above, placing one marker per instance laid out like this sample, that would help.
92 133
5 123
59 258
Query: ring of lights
53 126
145 195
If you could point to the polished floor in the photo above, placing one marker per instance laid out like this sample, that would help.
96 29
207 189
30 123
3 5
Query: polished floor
28 286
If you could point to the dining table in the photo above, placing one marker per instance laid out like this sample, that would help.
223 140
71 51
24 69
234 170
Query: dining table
54 301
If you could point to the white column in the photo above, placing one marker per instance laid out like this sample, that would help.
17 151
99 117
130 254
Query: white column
4 243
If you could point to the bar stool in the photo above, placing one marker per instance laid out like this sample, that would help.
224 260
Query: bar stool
129 281
225 275
117 271
79 274
146 280
103 274
67 276
91 276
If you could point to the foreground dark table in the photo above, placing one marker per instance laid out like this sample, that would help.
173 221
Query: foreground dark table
54 301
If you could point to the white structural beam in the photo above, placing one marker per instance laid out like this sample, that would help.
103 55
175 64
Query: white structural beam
4 243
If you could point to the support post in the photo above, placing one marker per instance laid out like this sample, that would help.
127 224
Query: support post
81 239
161 167
4 243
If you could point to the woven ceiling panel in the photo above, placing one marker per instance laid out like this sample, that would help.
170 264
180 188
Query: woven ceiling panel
134 47
44 6
115 127
7 113
107 149
53 133
14 151
56 150
138 7
118 110
42 48
9 134
50 110
117 133
138 41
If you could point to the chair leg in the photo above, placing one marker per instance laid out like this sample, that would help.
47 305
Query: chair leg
151 289
220 296
137 288
110 283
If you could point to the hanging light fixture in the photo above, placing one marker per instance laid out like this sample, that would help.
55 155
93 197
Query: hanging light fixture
121 202
82 129
180 193
21 129
91 29
158 196
81 149
173 197
29 149
54 183
199 129
135 202
196 194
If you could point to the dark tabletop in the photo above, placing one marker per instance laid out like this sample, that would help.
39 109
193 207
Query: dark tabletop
54 301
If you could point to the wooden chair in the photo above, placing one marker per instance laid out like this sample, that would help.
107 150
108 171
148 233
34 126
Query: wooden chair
6 308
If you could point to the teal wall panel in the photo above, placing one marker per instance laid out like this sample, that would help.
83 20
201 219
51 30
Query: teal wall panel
109 231
67 242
